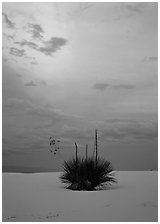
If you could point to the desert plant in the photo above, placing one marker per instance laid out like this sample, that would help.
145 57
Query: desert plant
87 174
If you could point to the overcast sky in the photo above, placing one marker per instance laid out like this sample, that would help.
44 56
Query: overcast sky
71 67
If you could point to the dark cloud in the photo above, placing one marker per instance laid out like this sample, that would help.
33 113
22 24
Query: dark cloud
130 130
48 47
32 83
75 134
123 86
8 22
153 58
116 120
131 9
101 86
19 75
16 103
4 59
34 123
53 45
42 82
32 60
36 30
17 52
77 11
34 63
150 59
27 43
33 118
9 37
28 57
83 6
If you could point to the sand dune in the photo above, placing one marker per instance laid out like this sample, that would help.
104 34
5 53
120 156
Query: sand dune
42 197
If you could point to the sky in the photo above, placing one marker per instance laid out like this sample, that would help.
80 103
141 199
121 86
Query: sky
69 68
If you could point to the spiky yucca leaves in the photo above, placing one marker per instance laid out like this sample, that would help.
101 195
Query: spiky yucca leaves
86 175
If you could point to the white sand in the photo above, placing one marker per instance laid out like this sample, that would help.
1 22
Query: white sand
42 197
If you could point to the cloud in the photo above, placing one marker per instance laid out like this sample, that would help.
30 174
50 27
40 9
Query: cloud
74 133
41 121
28 57
36 30
32 60
33 84
30 118
27 43
153 58
53 45
17 52
28 107
121 129
134 8
8 22
130 9
150 59
34 63
101 86
4 59
17 103
42 82
48 47
9 37
123 86
19 75
83 6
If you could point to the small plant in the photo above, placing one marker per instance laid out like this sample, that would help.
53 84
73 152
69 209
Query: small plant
87 174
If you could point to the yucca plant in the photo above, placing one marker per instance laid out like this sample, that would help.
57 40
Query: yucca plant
87 174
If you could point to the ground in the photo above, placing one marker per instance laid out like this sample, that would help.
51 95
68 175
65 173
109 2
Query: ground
42 197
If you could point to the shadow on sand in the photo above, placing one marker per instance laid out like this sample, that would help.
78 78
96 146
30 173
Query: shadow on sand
106 187
100 188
